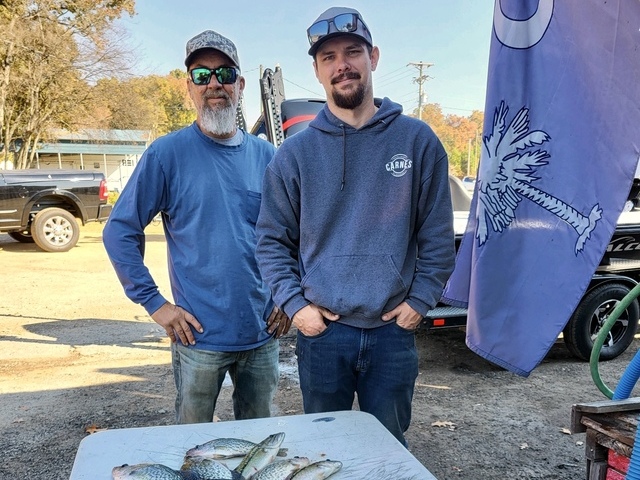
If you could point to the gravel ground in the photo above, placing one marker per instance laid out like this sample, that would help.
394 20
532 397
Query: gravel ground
76 357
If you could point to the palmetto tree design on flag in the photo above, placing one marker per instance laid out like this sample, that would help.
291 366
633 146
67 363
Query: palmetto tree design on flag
506 174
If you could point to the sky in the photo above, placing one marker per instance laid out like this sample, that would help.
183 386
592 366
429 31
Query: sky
453 35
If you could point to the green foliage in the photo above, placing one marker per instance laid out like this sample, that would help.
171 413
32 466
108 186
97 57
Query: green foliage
178 108
460 136
113 198
160 104
179 74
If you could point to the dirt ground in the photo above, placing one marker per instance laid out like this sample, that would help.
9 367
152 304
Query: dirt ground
77 356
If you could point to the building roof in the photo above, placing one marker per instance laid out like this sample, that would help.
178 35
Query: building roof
96 141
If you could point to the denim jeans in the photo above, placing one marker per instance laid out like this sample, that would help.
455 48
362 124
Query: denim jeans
199 375
380 365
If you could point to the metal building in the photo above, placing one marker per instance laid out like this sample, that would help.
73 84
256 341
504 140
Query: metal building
113 152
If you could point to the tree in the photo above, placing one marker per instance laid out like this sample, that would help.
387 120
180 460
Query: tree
459 135
129 104
177 104
50 51
43 90
157 103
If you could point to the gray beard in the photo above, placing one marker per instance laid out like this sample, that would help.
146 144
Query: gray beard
350 101
219 121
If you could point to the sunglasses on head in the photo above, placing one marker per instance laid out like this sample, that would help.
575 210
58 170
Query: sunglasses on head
224 75
345 23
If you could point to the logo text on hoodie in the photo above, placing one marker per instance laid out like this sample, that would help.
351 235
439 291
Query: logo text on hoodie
399 165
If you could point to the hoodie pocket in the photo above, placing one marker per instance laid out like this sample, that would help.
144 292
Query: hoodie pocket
252 206
354 284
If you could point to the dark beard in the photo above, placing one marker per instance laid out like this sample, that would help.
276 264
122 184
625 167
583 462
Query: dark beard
349 101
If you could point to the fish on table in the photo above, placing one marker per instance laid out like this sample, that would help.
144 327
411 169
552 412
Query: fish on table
282 469
208 469
260 456
258 463
223 448
145 471
318 470
196 469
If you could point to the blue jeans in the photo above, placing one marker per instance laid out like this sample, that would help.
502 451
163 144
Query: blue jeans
199 375
380 365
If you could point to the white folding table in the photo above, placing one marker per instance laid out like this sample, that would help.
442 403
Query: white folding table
366 449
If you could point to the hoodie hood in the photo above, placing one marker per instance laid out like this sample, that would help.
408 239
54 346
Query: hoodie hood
329 123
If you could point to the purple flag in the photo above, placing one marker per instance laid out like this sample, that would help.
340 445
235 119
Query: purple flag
561 142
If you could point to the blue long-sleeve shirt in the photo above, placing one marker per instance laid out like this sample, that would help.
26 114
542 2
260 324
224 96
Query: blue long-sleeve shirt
209 196
357 220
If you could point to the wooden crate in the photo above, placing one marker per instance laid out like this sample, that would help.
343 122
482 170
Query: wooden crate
610 428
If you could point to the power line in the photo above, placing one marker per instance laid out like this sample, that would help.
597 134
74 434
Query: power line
406 97
303 88
392 80
390 73
388 78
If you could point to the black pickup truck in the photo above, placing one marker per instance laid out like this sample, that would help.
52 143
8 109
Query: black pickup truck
44 206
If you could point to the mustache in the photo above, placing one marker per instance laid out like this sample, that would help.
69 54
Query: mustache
217 94
346 76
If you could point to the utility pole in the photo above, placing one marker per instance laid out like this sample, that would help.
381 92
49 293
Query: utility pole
469 158
420 80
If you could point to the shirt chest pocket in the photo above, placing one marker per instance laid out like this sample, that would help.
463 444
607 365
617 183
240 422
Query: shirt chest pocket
252 206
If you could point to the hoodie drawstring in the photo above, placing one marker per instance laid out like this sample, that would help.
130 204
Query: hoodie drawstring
344 156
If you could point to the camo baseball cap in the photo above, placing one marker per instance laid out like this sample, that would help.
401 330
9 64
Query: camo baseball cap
211 39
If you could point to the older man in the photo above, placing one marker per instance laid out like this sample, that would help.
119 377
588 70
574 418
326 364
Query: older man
206 181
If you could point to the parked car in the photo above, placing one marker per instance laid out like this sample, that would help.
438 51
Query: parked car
469 183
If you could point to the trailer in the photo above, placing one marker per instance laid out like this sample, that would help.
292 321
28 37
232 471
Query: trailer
617 273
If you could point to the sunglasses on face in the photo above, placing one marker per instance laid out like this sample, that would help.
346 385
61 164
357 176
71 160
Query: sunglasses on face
224 75
345 23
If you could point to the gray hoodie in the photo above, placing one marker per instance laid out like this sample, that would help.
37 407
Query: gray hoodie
357 220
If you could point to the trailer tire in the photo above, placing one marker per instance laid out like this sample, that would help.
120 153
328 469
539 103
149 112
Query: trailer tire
591 314
55 230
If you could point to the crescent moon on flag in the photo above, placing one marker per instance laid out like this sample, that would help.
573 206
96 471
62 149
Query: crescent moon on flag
522 33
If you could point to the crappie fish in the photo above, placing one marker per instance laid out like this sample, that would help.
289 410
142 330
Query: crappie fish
221 448
260 456
208 468
282 469
318 470
145 471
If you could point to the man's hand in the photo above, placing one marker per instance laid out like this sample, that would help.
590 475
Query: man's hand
406 317
278 322
310 319
177 322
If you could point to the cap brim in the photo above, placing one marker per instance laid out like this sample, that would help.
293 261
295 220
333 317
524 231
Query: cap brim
314 48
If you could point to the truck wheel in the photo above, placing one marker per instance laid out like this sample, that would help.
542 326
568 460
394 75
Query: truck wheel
55 230
23 236
592 312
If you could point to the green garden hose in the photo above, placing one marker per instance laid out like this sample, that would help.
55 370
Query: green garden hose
602 335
